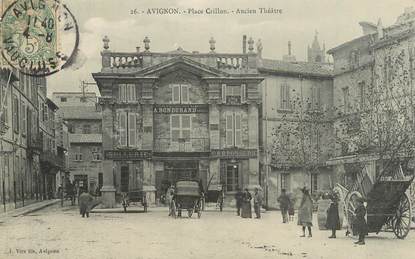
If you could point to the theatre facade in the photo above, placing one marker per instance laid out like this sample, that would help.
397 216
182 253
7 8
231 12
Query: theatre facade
178 115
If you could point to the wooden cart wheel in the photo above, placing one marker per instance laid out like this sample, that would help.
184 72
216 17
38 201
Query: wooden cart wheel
401 222
190 213
351 205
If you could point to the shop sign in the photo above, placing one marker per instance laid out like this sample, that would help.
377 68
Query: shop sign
180 108
234 153
127 154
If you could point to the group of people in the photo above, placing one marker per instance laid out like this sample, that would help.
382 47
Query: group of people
305 214
243 203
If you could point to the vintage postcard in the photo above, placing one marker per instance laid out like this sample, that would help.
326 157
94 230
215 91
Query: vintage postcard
207 129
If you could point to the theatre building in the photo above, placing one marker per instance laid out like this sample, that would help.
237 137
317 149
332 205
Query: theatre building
178 115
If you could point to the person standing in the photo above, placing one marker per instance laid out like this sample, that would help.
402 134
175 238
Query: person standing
284 201
333 218
305 212
257 202
238 199
246 204
85 203
169 199
359 223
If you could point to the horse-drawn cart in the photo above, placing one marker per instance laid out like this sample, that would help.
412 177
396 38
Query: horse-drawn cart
188 197
135 196
388 204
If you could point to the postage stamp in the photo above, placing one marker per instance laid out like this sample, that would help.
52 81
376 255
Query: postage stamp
39 37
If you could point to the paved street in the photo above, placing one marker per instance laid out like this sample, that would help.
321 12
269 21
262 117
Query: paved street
64 234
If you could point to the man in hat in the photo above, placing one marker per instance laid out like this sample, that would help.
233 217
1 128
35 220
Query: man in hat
333 219
257 202
284 201
359 223
238 199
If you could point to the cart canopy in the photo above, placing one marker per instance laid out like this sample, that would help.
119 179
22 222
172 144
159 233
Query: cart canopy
187 188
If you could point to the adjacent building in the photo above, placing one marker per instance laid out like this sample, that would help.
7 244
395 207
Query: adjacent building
84 122
295 96
28 155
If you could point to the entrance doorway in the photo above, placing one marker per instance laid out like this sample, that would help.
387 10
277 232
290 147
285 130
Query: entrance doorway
232 177
125 178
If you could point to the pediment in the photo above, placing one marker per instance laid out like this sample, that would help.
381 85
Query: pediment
182 63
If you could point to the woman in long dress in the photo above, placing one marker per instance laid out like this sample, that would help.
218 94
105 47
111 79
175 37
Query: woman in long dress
246 205
305 212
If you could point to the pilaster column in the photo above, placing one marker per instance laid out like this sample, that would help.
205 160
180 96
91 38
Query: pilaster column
253 144
108 189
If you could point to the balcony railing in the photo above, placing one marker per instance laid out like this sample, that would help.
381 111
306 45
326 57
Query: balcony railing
181 145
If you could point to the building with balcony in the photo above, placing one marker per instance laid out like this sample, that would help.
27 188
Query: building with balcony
84 121
178 115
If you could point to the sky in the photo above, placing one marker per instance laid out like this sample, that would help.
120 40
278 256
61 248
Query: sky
336 21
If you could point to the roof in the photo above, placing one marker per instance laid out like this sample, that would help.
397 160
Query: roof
296 67
85 138
80 113
343 45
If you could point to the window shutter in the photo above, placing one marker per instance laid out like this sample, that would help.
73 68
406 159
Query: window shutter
132 129
175 91
223 93
184 93
137 91
229 130
243 93
24 124
123 129
238 136
175 127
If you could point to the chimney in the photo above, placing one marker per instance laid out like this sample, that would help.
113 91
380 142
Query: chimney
289 48
244 44
380 29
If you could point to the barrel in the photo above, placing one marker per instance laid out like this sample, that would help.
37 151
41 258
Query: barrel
323 206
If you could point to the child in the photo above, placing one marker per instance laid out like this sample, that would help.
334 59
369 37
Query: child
359 223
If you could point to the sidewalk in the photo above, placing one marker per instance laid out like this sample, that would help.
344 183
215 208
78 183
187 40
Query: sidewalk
29 208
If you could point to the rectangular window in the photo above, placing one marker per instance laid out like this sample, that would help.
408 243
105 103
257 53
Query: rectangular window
232 177
233 130
233 93
16 114
180 127
123 128
314 183
64 99
127 93
24 119
285 102
362 95
346 104
78 154
127 128
285 181
132 130
96 154
180 93
315 98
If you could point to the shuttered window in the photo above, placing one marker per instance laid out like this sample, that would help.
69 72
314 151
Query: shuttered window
285 101
233 130
180 127
123 128
127 92
16 114
180 93
229 130
132 130
127 128
238 137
